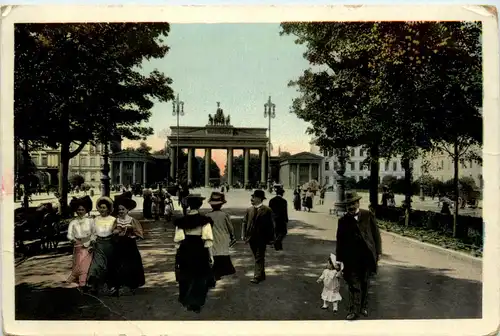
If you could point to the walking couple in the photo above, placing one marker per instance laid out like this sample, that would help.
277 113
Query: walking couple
203 243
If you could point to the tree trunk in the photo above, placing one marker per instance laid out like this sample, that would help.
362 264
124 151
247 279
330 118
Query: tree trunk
25 175
408 188
63 178
374 175
456 156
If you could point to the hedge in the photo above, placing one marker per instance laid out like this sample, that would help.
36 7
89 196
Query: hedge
434 228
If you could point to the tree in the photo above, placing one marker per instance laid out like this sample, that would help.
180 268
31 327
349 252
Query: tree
284 155
365 70
77 180
160 152
144 148
339 96
83 80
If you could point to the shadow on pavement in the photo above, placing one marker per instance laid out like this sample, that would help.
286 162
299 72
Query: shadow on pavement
289 293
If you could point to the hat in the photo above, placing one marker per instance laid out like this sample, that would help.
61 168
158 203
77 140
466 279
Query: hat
195 196
351 196
107 200
127 194
259 193
127 202
333 259
280 190
84 201
217 198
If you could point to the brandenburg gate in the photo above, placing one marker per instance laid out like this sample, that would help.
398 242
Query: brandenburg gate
218 134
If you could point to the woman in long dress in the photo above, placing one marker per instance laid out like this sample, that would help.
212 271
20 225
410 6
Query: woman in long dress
223 232
309 197
128 262
102 267
193 260
296 199
81 234
146 204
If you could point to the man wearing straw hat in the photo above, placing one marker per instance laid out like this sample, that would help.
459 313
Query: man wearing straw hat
258 231
359 249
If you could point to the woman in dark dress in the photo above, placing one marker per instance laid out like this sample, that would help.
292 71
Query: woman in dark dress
103 263
296 199
129 271
146 204
193 261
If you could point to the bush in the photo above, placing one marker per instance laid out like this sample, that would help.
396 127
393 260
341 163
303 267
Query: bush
424 224
350 183
77 180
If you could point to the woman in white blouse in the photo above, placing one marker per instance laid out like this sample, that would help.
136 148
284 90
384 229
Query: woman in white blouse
193 261
81 234
102 267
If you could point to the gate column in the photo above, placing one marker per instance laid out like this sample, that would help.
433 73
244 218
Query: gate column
208 161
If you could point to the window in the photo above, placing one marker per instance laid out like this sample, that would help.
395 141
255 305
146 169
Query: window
331 153
394 166
102 161
91 149
83 162
72 162
327 165
361 152
352 165
45 160
353 152
360 165
327 180
386 166
470 163
442 164
92 161
325 152
335 165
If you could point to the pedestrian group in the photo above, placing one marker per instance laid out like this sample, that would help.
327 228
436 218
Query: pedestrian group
106 253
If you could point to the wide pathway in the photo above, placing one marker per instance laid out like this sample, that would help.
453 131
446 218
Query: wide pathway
414 281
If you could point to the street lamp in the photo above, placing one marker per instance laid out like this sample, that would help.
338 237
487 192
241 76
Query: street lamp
339 206
105 179
178 110
269 112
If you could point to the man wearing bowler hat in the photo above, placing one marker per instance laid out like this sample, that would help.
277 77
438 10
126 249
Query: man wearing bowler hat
359 248
258 231
279 206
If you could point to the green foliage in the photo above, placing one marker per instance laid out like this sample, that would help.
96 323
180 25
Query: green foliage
83 83
284 155
77 180
425 75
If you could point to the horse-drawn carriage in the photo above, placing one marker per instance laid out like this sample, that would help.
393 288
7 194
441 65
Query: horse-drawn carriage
38 226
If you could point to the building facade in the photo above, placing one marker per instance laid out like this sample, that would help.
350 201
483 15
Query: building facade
300 168
354 166
87 163
440 166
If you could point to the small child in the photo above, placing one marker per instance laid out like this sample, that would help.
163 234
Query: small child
331 284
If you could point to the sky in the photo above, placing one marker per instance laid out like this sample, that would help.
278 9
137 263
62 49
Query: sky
238 65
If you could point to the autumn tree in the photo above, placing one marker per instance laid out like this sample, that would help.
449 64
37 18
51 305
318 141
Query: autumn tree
84 82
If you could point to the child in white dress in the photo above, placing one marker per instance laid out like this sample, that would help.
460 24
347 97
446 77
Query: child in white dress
331 284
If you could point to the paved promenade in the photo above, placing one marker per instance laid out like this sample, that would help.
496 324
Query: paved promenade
414 281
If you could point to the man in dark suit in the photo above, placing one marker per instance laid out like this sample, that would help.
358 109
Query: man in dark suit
359 248
279 205
258 231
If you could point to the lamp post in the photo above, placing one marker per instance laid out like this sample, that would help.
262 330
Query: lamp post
178 110
269 112
105 183
339 206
